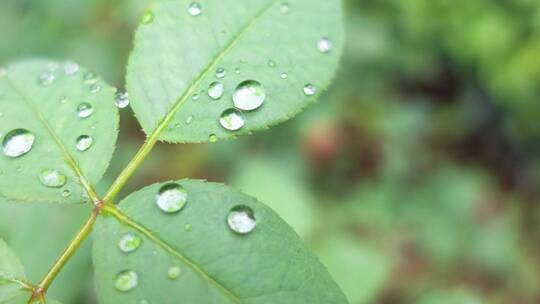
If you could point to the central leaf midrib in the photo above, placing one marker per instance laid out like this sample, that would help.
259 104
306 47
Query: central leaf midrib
126 220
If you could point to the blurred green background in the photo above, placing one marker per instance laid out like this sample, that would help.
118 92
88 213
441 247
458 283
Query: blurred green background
415 178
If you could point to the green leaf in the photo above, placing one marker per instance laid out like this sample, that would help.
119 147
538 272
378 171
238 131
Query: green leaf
268 265
39 96
12 277
176 56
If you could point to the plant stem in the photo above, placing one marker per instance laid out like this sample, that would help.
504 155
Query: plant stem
66 255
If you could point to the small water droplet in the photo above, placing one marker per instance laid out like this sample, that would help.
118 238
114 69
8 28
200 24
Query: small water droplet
220 73
126 280
85 110
52 178
66 193
237 71
187 227
241 219
71 68
63 99
129 242
122 100
171 198
194 9
148 17
17 142
95 88
90 78
249 95
174 272
84 142
189 119
272 63
212 138
215 90
284 8
46 78
284 76
232 119
324 45
3 72
310 89
195 97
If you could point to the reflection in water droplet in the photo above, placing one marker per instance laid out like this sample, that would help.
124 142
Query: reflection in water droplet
241 219
212 138
126 280
174 272
310 89
215 90
284 8
85 110
249 95
17 142
232 119
122 100
147 18
271 63
71 68
171 198
220 73
52 178
284 76
84 142
324 45
46 78
194 9
129 242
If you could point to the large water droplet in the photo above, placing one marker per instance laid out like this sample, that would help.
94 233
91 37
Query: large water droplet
147 18
220 73
46 78
85 110
129 242
84 142
249 95
232 119
52 178
174 272
310 89
241 219
126 280
194 9
324 45
122 100
17 142
71 68
171 198
215 90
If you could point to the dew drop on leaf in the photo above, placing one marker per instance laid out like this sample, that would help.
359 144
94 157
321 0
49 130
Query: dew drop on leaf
324 45
85 110
284 76
66 193
52 178
95 88
171 198
122 100
284 8
249 95
71 68
63 99
126 280
271 63
237 71
129 242
215 90
148 17
46 78
310 89
212 138
189 119
90 78
17 142
194 9
232 119
187 227
174 272
241 219
220 73
195 97
84 142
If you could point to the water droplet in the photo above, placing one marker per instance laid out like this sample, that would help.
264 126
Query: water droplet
194 9
84 142
3 72
212 138
232 119
215 90
241 219
126 280
63 99
284 8
249 95
310 89
129 242
237 71
95 88
220 73
90 78
46 78
71 68
147 18
17 142
271 63
195 97
85 110
189 119
174 272
284 76
122 100
66 193
52 178
324 45
171 198
187 227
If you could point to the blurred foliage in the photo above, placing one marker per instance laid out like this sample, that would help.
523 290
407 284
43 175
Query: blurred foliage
416 178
